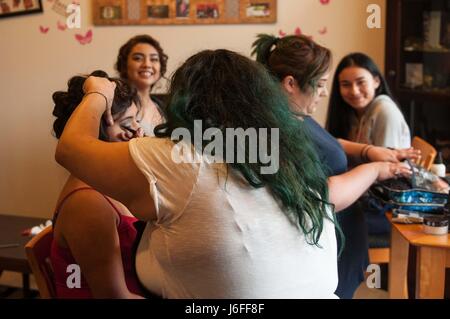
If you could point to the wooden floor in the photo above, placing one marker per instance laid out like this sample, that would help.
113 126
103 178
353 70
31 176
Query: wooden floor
363 292
11 286
11 283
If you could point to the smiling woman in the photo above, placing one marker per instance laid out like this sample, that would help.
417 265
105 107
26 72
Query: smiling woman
142 62
362 108
125 121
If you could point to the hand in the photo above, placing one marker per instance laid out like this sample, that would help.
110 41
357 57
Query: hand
127 134
383 154
388 170
407 153
105 87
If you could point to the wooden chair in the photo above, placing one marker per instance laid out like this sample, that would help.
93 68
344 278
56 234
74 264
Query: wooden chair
379 255
38 254
428 155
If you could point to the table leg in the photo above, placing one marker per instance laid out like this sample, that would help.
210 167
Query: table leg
398 266
26 285
430 273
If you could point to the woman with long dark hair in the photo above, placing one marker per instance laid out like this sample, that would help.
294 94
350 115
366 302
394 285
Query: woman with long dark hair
92 230
142 63
362 108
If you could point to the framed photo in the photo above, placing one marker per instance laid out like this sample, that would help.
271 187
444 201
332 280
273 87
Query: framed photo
111 12
158 11
183 7
180 12
258 10
207 11
9 8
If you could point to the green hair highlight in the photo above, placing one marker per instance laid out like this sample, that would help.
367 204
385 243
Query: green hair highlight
227 90
302 58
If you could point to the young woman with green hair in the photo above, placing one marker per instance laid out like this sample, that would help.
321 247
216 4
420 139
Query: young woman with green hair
215 230
302 68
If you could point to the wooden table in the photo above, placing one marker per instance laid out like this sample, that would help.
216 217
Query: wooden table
14 258
433 256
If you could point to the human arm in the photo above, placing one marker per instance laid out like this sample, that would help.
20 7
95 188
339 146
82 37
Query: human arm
88 225
376 153
108 167
346 188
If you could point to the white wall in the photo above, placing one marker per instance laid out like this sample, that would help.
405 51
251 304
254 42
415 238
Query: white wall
34 65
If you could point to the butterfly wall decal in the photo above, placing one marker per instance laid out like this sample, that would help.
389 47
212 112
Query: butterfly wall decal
44 30
61 26
84 39
324 30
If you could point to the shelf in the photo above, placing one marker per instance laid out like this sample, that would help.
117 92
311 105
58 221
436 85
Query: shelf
421 95
443 51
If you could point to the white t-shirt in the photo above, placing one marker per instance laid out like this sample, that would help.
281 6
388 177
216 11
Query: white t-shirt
217 237
382 124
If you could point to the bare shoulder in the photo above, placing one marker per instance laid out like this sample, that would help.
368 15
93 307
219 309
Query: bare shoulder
84 210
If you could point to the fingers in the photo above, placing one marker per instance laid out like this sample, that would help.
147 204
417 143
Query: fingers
128 133
140 132
413 153
125 136
382 154
105 87
94 83
400 170
410 153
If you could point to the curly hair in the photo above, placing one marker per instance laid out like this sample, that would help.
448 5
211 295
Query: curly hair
67 101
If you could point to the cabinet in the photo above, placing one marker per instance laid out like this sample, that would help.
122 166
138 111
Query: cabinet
418 66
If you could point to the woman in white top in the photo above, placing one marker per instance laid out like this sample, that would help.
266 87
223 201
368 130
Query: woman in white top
361 107
256 226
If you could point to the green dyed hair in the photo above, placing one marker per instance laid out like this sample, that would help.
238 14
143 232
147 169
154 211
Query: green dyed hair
301 58
226 90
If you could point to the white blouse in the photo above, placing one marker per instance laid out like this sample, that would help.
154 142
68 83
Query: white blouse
217 237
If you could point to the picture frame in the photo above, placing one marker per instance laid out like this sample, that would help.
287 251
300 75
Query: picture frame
183 12
12 8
